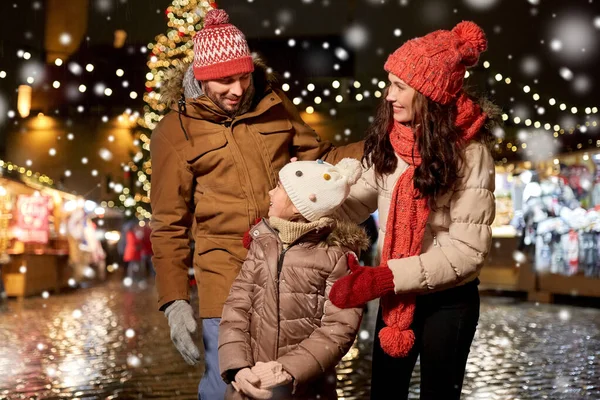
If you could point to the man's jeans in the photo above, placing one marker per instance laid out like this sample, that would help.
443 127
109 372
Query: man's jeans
212 386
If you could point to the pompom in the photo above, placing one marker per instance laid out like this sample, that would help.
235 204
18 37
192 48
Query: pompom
350 169
474 41
396 342
216 17
471 32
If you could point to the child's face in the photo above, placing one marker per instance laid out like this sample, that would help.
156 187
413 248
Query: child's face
280 204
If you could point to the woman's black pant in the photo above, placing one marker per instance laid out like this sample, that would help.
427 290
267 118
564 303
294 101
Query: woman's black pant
444 326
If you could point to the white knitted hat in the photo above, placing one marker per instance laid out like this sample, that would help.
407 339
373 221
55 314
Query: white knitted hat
317 188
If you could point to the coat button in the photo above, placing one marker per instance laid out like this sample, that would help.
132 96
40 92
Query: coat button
255 233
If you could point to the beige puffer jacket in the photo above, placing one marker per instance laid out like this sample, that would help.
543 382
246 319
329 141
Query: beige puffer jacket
458 235
278 308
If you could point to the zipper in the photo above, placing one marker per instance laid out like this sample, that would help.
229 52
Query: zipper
435 241
277 280
279 268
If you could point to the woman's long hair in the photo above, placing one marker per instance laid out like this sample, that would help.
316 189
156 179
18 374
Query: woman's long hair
439 143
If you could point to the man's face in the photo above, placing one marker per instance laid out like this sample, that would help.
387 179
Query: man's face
228 93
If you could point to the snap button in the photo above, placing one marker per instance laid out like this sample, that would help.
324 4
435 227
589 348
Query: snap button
255 233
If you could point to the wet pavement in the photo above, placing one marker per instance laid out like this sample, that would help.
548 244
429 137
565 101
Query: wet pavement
109 342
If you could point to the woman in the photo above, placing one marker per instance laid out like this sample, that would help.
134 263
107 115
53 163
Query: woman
431 175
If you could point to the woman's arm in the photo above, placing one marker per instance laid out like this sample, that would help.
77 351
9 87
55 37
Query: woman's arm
472 211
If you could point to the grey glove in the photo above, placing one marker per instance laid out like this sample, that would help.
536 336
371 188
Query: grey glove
183 325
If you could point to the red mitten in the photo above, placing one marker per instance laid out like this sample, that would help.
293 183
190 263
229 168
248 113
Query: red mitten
362 285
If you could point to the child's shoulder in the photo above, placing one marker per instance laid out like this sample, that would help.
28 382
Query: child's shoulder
248 235
347 235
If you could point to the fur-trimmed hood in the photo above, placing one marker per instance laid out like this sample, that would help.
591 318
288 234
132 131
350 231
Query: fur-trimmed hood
180 81
348 234
331 232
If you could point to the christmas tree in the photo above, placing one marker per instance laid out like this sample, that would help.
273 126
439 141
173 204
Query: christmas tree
170 50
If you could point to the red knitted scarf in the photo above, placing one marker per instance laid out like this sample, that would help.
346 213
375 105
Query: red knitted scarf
406 224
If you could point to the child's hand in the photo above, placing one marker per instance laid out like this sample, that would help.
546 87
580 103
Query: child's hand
249 384
271 374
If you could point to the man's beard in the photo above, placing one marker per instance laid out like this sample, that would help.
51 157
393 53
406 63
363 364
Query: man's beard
241 108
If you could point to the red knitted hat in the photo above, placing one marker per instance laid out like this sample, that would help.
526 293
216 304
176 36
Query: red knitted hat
434 65
220 49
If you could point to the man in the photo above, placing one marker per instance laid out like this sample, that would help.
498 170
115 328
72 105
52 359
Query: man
214 159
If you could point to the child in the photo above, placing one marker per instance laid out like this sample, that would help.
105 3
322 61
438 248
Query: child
280 336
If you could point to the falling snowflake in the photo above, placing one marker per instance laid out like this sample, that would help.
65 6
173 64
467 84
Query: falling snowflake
105 154
582 84
65 38
566 73
556 45
104 5
285 17
521 111
564 315
32 69
519 257
356 37
568 121
341 53
530 65
522 135
541 146
481 5
574 32
133 361
75 68
435 12
99 88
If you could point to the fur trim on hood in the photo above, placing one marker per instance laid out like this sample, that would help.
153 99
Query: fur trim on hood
339 233
348 234
180 80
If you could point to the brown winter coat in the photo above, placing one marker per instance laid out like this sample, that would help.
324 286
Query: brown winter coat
286 316
213 184
458 234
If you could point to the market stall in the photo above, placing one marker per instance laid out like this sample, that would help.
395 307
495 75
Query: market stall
547 228
47 240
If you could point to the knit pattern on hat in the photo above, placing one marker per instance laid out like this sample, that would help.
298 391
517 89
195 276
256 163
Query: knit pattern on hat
435 64
220 49
317 188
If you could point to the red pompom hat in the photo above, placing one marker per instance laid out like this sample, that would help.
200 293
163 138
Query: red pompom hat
435 64
220 49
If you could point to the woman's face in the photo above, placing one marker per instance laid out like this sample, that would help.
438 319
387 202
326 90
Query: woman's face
280 204
400 96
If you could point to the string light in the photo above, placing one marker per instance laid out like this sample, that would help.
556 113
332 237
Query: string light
26 174
552 101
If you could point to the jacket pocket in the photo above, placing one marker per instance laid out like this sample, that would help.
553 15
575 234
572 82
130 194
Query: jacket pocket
205 144
277 126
